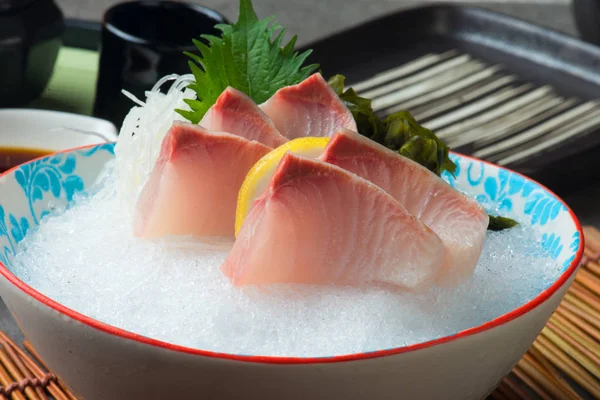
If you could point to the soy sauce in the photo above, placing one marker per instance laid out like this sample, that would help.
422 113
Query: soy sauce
13 156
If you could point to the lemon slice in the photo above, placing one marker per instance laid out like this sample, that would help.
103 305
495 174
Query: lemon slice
260 174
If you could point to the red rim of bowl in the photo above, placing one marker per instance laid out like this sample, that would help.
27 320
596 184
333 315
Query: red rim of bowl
500 320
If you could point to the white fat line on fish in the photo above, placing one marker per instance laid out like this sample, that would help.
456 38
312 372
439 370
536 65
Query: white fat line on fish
536 131
402 70
501 126
421 76
427 86
444 91
464 97
479 106
471 123
552 112
569 131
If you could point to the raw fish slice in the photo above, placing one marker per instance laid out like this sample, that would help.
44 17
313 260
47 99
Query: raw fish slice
236 113
458 220
319 224
310 108
193 187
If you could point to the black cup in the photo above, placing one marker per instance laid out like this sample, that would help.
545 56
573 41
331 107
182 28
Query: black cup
30 38
143 41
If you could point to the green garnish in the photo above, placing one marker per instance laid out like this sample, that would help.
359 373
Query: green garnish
402 133
247 57
498 223
399 131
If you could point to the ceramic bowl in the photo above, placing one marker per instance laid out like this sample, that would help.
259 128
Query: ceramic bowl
52 130
99 361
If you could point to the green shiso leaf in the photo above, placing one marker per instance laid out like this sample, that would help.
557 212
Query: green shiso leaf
248 56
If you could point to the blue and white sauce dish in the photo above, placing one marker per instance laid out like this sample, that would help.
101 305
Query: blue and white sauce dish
99 361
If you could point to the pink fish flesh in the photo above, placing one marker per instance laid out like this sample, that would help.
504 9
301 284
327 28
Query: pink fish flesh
319 224
310 108
458 220
236 113
193 187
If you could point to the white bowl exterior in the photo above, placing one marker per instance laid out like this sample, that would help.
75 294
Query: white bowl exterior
52 130
99 365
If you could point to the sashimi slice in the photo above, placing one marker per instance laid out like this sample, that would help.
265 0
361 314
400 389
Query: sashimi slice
258 178
319 224
310 108
236 113
193 187
458 220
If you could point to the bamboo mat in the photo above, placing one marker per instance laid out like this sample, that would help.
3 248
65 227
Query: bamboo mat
563 362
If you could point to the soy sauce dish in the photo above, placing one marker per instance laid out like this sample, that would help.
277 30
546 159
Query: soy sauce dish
234 123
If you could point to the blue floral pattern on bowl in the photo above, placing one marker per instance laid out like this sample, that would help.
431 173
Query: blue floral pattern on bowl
33 190
507 193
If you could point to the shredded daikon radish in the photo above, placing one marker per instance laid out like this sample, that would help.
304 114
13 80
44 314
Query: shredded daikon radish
142 133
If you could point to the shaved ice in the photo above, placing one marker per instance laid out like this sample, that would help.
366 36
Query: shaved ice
173 290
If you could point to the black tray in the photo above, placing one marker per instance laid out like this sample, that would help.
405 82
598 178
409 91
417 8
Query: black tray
533 54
